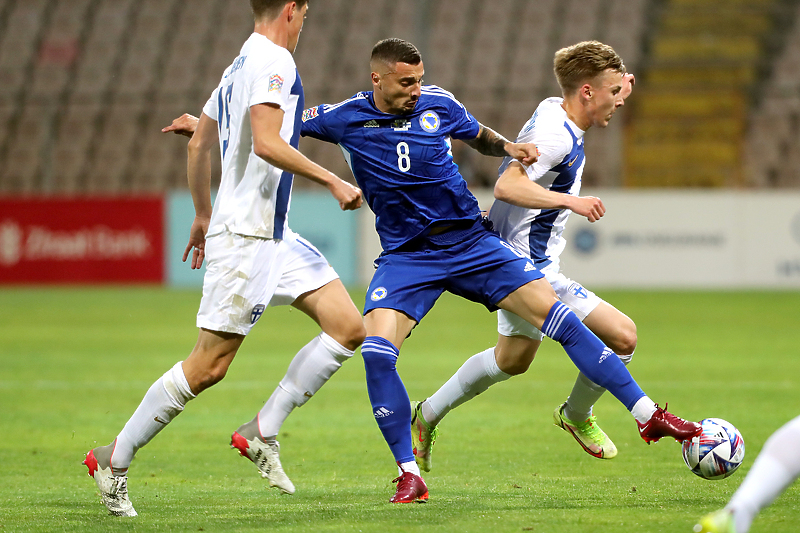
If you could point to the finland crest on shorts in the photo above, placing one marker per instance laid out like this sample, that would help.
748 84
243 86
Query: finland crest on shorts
577 290
378 294
256 313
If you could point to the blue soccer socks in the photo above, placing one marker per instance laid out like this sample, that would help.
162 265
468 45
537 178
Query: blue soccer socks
590 355
390 403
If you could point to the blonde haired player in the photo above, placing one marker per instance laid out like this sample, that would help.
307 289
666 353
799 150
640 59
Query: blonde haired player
253 259
533 204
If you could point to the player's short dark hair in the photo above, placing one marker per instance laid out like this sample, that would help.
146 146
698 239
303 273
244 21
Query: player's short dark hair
391 51
269 9
582 62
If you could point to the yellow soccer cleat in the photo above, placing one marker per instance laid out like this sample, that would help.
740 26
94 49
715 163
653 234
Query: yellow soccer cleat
588 434
423 436
717 522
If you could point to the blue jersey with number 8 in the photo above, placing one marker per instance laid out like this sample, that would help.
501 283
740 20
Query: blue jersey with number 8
403 163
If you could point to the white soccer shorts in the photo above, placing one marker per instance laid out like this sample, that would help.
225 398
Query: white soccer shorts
246 274
580 300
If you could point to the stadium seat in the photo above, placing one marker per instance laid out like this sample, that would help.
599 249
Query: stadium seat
154 56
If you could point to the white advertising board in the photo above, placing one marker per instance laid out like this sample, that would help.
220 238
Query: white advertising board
671 239
688 239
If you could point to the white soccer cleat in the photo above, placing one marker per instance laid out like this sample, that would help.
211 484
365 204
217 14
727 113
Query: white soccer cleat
265 455
113 489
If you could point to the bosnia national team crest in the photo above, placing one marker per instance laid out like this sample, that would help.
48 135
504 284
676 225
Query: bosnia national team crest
429 121
275 83
378 294
256 313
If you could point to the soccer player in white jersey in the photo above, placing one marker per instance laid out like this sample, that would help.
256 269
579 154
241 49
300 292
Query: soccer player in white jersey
253 258
533 203
775 468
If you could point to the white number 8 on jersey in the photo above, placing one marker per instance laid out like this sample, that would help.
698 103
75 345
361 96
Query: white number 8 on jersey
403 157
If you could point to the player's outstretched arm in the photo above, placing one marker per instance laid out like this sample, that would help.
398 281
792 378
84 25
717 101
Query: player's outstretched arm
198 171
184 125
515 188
489 142
266 121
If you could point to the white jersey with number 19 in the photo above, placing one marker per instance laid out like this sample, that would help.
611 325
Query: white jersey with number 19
254 196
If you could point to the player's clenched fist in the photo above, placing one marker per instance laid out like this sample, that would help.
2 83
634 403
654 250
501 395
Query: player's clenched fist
588 206
525 153
348 195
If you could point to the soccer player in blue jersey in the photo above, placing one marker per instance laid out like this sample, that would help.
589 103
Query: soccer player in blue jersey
396 139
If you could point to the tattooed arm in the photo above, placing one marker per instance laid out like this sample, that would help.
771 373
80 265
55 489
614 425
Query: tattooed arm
489 142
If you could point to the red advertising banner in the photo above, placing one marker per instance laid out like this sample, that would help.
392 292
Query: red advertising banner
81 240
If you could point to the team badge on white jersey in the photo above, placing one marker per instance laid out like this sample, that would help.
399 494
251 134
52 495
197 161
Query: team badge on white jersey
429 121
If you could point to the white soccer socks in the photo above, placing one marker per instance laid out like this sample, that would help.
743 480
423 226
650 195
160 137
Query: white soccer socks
310 369
477 374
165 399
643 409
775 468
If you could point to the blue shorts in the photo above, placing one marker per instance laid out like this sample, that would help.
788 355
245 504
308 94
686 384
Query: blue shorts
474 263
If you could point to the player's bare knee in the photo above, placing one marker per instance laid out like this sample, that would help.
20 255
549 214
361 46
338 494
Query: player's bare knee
516 367
625 342
357 335
204 372
210 377
624 346
515 362
629 340
352 335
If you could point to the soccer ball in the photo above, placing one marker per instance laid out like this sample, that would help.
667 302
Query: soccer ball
717 452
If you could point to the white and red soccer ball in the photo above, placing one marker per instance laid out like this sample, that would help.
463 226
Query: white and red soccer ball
717 452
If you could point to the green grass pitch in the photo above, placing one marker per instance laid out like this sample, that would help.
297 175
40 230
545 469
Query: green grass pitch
75 362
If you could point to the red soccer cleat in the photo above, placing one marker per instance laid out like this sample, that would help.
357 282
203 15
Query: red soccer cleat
664 424
410 488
